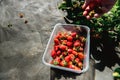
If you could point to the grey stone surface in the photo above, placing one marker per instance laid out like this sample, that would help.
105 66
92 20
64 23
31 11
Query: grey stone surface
22 44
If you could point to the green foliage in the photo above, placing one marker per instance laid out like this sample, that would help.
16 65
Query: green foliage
116 73
109 22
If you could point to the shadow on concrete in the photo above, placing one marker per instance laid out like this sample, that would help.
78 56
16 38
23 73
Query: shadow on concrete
103 50
56 73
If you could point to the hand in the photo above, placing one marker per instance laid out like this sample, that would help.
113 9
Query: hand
103 5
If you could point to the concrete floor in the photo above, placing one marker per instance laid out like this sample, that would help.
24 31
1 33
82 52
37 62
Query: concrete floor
25 27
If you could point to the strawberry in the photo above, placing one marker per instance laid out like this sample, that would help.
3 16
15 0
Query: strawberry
58 52
64 53
69 44
76 43
69 38
63 63
77 68
53 54
56 41
77 49
80 65
81 49
82 44
82 38
73 34
81 56
72 66
70 63
61 57
65 34
56 47
72 57
64 42
75 53
74 49
77 40
63 47
67 58
77 60
58 36
77 37
56 61
69 51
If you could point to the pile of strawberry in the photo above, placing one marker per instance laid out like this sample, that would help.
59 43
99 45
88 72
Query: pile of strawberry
68 50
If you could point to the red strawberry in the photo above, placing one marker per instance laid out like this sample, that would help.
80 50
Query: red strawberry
72 66
69 44
64 53
69 38
76 44
81 49
77 68
77 49
77 60
67 58
58 52
58 36
69 51
65 34
80 65
56 41
61 57
56 61
72 57
74 48
63 47
53 54
81 55
70 63
63 63
82 44
73 34
64 42
56 47
75 53
82 39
